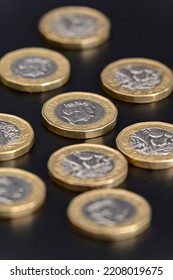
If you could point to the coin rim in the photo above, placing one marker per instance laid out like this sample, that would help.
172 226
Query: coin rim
55 80
29 204
95 39
157 93
139 159
131 228
84 131
113 179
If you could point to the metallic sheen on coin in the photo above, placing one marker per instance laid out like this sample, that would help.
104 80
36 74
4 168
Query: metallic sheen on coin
34 69
147 144
16 137
21 193
84 167
111 215
137 80
75 27
79 115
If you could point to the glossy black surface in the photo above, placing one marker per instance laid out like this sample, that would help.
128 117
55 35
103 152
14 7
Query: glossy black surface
139 29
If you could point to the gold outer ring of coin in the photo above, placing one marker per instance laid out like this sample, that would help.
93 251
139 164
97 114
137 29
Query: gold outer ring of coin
21 145
157 93
84 131
125 230
29 204
93 40
139 159
55 80
112 179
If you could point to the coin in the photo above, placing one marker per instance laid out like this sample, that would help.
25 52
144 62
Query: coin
16 137
34 69
111 215
147 144
84 167
79 115
75 27
21 193
137 80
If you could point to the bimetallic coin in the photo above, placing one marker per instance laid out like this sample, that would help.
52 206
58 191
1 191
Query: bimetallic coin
147 144
79 115
16 137
34 69
84 167
21 193
110 215
137 80
75 27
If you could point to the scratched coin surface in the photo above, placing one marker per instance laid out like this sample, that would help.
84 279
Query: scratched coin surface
109 214
147 144
75 27
79 115
34 69
21 193
83 167
16 137
137 80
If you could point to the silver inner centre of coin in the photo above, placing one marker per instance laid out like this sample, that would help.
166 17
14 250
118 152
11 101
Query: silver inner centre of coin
79 111
87 165
33 67
109 211
137 77
75 25
152 141
13 189
9 133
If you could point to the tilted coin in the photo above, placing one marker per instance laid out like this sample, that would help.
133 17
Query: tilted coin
84 167
34 69
147 144
79 115
21 193
75 27
16 137
137 80
111 215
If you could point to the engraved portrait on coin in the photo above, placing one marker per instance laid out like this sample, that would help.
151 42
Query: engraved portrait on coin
79 112
109 211
87 165
137 77
13 189
33 67
75 25
152 141
9 133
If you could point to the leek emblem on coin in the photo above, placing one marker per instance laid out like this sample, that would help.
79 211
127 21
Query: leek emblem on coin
147 144
137 80
16 137
34 69
109 214
75 27
87 166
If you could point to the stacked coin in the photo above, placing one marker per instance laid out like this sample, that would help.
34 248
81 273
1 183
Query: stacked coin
79 115
21 193
34 69
75 27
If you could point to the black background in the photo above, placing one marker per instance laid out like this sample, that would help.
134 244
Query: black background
139 29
